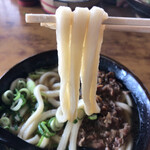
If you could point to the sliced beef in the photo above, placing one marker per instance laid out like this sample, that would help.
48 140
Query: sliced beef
110 130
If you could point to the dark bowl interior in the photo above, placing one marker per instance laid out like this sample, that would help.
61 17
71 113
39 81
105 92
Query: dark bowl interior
141 97
141 8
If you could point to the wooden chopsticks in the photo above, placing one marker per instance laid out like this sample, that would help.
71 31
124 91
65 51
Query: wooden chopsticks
38 18
127 21
112 23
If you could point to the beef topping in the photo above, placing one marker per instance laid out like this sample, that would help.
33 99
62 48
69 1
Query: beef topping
110 130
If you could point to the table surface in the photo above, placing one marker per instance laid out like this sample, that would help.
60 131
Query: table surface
19 40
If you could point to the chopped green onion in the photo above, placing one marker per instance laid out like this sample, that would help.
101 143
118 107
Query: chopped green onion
17 95
25 92
34 76
24 101
20 84
81 114
43 130
21 95
5 122
75 121
7 97
17 104
54 124
30 85
92 117
33 98
40 141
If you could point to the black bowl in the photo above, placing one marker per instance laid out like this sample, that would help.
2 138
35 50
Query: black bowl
140 7
141 97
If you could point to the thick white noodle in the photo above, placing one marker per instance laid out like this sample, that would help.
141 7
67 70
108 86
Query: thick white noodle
39 110
47 75
53 80
54 93
124 106
13 84
34 140
60 115
48 114
54 102
56 86
81 104
23 110
30 129
63 27
128 145
90 60
65 136
127 111
45 142
74 135
79 26
127 98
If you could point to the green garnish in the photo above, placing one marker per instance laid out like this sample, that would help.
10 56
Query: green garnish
92 117
40 141
75 121
44 131
5 122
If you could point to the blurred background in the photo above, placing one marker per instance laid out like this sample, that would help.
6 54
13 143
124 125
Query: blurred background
140 7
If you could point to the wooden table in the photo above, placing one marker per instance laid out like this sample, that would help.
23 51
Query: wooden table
19 40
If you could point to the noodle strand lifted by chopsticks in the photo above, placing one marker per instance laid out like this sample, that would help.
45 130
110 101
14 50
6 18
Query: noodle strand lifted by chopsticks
63 25
79 39
90 59
79 25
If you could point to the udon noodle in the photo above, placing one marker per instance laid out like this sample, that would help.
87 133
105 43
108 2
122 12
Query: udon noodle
40 109
50 108
79 39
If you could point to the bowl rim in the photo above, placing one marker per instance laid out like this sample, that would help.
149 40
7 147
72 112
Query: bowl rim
140 7
142 2
115 63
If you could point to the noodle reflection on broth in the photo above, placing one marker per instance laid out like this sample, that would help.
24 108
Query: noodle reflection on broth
75 105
